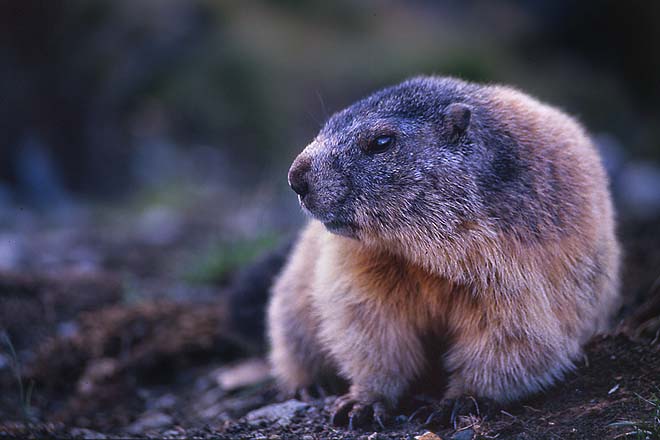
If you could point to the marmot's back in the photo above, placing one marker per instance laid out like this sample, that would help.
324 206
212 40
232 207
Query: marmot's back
564 197
563 172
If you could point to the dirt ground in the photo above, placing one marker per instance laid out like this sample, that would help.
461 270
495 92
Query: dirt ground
83 356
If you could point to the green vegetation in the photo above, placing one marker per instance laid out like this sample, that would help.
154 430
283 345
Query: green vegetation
24 395
223 258
648 429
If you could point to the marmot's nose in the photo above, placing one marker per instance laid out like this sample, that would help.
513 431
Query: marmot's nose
298 175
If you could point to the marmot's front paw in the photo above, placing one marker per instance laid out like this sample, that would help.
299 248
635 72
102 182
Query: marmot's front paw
357 412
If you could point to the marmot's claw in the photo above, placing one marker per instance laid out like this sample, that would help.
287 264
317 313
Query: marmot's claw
441 414
418 413
355 413
342 406
448 411
380 414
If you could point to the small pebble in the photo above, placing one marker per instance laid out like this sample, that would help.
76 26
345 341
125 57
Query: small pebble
148 421
279 413
428 435
466 434
86 433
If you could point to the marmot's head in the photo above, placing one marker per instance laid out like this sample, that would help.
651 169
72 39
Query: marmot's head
399 162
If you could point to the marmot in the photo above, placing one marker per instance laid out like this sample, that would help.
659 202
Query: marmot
456 223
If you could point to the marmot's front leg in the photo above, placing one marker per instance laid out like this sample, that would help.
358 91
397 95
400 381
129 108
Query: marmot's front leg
375 348
496 364
296 356
517 354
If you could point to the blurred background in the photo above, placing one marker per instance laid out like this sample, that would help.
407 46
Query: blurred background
106 100
147 142
152 138
186 112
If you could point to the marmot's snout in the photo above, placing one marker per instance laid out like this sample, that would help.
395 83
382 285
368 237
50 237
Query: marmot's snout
299 175
322 190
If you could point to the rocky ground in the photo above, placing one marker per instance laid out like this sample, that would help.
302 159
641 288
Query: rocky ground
103 336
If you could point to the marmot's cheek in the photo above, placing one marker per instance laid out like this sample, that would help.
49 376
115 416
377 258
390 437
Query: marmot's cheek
329 192
332 205
319 205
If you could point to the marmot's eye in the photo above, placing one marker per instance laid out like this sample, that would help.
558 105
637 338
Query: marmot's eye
380 144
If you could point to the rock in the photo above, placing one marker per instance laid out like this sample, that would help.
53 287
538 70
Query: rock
466 434
428 435
148 421
214 413
246 373
96 371
86 434
280 413
240 405
177 432
211 397
165 401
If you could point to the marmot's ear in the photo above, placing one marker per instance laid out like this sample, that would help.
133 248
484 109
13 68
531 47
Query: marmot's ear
457 117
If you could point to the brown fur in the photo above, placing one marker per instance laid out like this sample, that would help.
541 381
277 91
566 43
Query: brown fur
516 306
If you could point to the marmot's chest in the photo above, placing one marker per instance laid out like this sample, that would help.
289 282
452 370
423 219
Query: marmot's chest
385 282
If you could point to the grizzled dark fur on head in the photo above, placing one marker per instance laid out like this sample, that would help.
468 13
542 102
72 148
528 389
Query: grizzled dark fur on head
449 163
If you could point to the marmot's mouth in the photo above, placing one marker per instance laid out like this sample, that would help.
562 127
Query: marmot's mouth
335 224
